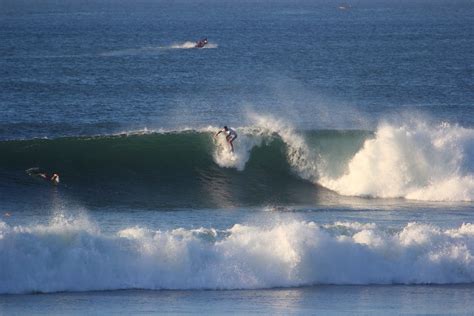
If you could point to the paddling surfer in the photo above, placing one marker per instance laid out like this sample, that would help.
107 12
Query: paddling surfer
54 178
230 136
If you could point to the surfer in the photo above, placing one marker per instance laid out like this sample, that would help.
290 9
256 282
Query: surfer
54 178
230 136
41 173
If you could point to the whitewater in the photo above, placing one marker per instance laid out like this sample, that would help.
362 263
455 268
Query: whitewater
74 255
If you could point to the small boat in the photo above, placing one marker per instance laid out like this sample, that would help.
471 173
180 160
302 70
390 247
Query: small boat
201 43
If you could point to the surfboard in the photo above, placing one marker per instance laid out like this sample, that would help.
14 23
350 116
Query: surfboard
223 150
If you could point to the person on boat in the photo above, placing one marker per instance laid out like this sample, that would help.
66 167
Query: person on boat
201 43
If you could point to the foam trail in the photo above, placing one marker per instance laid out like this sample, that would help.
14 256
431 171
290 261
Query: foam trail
189 45
153 50
413 161
76 256
185 45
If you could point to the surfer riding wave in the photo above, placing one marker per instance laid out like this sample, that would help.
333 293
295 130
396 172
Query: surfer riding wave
231 135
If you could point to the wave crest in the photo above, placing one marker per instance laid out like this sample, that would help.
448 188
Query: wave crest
415 161
291 254
411 161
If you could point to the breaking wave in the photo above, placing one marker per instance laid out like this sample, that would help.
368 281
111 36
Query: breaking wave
412 161
74 255
416 161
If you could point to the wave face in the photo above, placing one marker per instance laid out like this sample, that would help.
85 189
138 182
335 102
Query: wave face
73 255
272 163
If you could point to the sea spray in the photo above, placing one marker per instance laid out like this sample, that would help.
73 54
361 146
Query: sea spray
413 161
223 155
263 130
299 155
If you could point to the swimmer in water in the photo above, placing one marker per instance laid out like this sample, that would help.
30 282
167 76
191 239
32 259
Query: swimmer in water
54 178
230 136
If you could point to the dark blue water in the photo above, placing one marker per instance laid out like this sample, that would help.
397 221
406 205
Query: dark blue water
73 68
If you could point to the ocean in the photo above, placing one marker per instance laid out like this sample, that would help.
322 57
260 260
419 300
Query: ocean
350 191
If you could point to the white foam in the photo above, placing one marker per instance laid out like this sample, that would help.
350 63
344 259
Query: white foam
189 45
264 128
413 161
243 145
185 45
76 256
153 50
